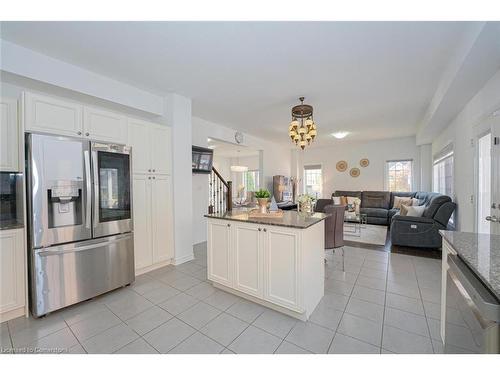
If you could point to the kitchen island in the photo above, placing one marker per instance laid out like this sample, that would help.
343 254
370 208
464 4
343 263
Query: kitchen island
276 262
470 293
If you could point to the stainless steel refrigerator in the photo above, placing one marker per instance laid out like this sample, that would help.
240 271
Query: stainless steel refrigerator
80 229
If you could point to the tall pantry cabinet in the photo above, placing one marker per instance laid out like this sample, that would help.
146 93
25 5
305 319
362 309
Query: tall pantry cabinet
152 194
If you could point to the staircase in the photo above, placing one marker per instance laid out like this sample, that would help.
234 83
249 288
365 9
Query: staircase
220 196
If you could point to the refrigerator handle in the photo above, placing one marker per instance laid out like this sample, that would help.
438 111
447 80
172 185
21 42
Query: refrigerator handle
88 188
95 168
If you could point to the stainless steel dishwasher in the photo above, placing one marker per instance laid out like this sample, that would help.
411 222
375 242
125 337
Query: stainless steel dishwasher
475 327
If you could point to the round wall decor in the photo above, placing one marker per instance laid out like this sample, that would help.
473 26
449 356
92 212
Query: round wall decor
364 163
354 172
341 166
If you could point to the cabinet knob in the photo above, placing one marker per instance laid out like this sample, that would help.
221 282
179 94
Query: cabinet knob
149 178
265 230
154 177
229 225
79 133
260 229
149 170
87 134
154 170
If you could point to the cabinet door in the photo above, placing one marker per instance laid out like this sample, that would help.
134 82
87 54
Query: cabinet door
247 252
8 135
12 289
219 252
163 242
53 116
281 266
139 138
104 126
141 208
161 149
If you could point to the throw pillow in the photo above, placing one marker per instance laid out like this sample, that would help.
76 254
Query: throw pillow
336 200
399 201
415 211
415 202
343 201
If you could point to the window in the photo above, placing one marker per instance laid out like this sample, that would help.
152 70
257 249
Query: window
442 174
251 180
399 175
312 180
442 181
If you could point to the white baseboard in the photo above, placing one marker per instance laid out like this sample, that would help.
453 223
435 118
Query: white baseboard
152 267
184 259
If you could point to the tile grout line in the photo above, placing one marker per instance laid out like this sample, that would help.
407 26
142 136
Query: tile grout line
385 300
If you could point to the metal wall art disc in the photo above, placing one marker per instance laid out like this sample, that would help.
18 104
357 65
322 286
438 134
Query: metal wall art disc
354 172
364 163
342 166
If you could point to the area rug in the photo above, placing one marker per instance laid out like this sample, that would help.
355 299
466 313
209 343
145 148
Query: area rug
370 234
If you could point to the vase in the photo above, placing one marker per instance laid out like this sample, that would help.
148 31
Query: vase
262 205
305 207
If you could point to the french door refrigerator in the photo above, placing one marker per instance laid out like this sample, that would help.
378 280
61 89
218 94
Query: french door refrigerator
80 230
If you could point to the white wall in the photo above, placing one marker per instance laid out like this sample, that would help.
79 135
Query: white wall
460 132
371 177
275 160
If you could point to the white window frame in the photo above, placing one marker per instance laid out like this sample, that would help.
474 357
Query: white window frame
256 173
311 168
445 153
386 173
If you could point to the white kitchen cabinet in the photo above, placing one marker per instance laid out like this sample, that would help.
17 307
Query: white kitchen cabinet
153 221
104 126
162 218
151 147
12 276
9 137
281 254
51 115
161 149
142 221
277 266
247 245
219 259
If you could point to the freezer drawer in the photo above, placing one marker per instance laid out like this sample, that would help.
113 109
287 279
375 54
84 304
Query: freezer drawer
68 274
472 320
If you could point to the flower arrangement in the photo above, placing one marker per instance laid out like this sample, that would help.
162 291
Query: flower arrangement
305 203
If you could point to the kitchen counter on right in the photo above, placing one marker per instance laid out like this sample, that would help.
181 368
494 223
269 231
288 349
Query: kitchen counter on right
481 253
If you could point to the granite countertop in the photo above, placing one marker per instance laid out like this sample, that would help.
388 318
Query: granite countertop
291 219
481 252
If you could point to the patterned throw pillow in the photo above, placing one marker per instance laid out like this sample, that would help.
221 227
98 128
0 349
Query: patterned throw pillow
336 200
399 201
415 202
416 211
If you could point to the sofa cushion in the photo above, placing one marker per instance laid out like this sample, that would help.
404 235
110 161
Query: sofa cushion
375 199
399 201
321 204
345 193
374 212
410 194
392 212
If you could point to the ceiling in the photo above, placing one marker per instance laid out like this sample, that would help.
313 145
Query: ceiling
373 79
231 150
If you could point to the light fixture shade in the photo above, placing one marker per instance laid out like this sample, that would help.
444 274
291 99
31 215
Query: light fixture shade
294 123
302 130
309 122
239 168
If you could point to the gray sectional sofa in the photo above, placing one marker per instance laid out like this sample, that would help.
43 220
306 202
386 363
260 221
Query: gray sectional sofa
406 230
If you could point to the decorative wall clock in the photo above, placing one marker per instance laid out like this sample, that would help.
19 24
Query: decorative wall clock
364 162
354 172
341 166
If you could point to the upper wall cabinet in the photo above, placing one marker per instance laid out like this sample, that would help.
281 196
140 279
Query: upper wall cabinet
151 147
61 117
104 126
53 116
8 135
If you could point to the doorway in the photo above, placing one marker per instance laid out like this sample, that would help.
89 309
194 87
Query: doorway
488 177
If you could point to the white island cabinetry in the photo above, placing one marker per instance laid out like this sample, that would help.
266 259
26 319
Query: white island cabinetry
278 266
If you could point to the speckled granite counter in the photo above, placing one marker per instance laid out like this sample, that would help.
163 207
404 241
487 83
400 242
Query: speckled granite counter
291 219
481 252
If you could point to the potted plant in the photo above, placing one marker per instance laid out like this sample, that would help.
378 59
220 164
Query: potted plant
263 196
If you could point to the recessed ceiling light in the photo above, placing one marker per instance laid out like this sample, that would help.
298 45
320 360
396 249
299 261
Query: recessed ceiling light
340 135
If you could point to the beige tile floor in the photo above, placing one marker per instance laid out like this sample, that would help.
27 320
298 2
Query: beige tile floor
382 303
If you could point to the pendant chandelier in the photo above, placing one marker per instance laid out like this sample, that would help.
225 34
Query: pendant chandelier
302 129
